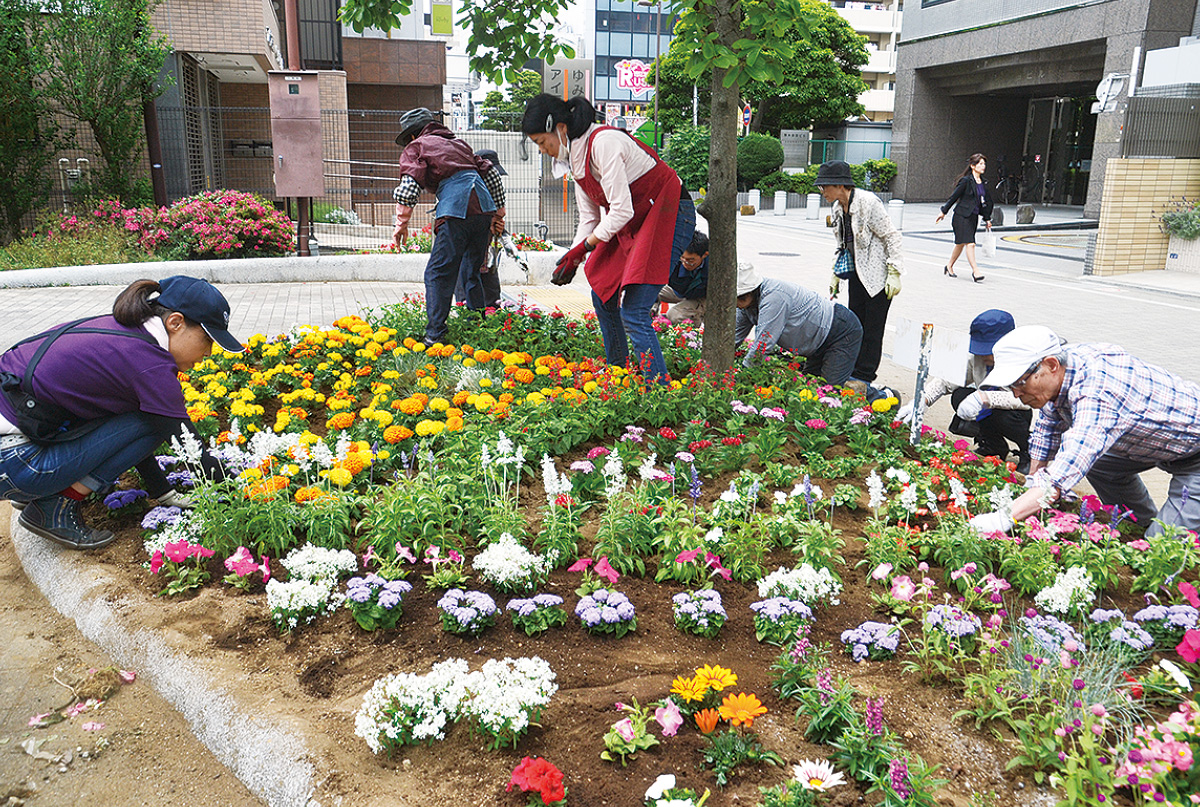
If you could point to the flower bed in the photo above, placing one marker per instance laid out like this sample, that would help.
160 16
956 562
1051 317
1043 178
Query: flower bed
417 463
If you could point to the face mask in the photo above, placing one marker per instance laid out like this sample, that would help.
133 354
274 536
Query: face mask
561 165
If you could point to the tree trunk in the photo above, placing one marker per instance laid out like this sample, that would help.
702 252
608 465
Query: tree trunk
721 207
760 114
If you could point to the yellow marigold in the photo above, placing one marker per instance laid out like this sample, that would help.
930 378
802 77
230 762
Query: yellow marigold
251 473
689 689
454 424
394 434
342 420
384 419
484 402
469 362
884 404
485 382
564 373
717 677
339 476
535 398
543 370
590 387
428 383
428 428
741 708
805 395
439 404
419 347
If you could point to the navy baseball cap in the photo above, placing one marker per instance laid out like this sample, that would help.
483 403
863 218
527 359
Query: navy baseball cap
199 301
987 328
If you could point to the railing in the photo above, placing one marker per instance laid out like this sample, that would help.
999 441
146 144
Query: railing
852 151
1162 127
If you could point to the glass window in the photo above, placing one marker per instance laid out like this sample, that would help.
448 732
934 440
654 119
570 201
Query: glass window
620 21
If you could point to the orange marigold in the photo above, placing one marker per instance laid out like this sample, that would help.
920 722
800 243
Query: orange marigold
394 434
354 463
342 420
506 397
411 406
454 424
460 398
524 376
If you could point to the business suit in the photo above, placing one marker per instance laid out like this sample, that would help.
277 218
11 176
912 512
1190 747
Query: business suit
968 206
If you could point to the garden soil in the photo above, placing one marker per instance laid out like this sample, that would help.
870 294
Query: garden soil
313 681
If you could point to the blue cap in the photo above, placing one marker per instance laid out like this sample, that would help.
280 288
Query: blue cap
987 328
199 301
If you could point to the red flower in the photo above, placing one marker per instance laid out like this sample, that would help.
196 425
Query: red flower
1135 691
535 773
731 441
667 433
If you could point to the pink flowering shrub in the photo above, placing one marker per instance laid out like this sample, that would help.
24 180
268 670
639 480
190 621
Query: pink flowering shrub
1160 763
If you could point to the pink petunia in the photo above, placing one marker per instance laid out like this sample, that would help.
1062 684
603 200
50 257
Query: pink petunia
714 562
156 561
669 718
1189 648
178 551
265 568
688 556
903 588
580 565
625 729
603 569
881 571
241 562
127 676
403 551
1189 591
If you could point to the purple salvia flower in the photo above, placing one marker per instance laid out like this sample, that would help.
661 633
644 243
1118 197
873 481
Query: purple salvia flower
874 716
899 773
694 489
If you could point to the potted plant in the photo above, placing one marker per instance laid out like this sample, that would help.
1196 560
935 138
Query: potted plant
1181 221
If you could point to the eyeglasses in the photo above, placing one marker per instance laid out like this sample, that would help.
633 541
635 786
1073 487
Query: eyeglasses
1025 378
691 262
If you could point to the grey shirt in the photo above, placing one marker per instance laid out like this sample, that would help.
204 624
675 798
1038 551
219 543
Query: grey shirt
787 315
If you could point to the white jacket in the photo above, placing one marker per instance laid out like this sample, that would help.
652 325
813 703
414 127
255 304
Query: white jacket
876 241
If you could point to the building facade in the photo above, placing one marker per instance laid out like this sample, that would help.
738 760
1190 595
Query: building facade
1017 80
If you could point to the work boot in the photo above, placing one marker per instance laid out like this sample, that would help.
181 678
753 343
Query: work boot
57 518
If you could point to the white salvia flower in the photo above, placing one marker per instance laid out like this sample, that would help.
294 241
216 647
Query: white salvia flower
554 482
235 431
1001 499
519 457
485 457
646 470
614 472
875 489
322 456
187 447
958 491
342 446
504 446
931 501
899 474
908 498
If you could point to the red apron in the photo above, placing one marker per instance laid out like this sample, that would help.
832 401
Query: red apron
641 250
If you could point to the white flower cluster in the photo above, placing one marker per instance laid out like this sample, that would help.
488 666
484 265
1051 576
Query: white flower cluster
555 483
1071 590
509 566
810 586
405 708
299 602
505 695
318 563
875 489
614 475
501 699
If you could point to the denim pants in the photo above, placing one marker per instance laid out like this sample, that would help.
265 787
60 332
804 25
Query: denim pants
834 359
457 242
1116 481
628 311
94 460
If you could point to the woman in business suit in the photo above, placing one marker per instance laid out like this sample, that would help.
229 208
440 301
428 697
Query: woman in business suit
970 201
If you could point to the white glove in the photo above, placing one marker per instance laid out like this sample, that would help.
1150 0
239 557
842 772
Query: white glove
905 413
971 406
987 523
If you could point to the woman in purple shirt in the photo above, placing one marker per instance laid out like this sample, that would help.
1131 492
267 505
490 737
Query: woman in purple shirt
87 400
970 200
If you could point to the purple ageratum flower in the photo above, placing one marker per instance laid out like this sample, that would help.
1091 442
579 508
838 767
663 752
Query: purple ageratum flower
868 635
181 479
547 600
952 621
159 517
1132 635
123 498
389 598
1100 616
776 609
1050 632
359 594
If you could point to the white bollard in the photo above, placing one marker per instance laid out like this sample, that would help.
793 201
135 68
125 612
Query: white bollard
812 206
896 213
755 200
780 203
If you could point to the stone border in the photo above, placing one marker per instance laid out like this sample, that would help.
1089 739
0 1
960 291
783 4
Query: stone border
324 268
271 763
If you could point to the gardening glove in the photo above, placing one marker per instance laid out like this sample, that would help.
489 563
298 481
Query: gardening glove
564 271
498 221
835 283
987 523
972 406
891 286
905 413
403 214
173 498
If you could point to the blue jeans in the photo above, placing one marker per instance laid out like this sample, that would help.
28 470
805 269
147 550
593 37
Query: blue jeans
834 359
457 241
628 311
94 460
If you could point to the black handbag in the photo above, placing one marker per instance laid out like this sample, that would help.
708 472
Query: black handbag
43 422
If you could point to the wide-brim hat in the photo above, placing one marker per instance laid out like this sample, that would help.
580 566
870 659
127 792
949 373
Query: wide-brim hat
412 122
199 301
987 328
1018 350
748 278
491 156
834 172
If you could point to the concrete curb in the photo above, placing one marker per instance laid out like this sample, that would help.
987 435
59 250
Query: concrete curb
324 268
273 764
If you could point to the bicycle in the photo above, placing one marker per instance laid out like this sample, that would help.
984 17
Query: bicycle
1008 188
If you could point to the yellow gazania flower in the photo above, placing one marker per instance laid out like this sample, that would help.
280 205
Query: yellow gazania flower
690 689
741 708
717 677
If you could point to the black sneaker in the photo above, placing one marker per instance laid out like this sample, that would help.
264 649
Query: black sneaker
57 518
12 493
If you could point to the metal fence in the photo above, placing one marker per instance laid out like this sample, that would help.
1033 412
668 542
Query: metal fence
852 151
1162 127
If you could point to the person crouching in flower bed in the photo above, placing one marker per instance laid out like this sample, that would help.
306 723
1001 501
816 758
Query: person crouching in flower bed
85 401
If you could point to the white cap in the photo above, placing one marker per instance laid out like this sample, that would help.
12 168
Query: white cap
747 278
1018 350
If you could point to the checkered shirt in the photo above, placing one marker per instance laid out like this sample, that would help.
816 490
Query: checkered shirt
1113 403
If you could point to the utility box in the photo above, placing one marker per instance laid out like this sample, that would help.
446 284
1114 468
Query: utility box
296 133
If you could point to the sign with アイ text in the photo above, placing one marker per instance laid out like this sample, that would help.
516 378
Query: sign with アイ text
567 78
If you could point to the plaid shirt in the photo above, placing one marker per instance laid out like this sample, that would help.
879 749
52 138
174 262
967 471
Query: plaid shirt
1113 403
408 191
